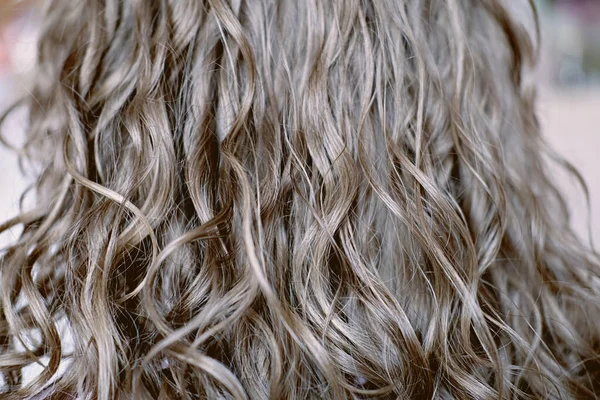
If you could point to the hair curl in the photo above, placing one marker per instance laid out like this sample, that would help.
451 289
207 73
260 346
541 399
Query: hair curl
292 200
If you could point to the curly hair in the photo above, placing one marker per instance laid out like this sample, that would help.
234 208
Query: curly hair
252 199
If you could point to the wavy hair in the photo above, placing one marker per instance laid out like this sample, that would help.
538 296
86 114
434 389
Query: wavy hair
252 199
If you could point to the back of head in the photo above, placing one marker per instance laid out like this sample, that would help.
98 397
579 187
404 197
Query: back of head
293 199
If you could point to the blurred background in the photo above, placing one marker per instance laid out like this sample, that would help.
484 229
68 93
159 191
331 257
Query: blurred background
568 102
569 99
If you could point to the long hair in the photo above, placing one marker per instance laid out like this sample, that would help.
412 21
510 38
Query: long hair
252 199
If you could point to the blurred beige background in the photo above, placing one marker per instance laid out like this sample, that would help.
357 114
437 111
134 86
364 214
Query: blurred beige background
569 99
570 120
17 56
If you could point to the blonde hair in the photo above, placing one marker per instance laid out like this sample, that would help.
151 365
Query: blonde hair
293 200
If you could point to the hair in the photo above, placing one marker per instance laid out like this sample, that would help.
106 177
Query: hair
293 200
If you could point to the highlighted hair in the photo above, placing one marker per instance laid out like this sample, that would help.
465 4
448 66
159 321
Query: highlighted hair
282 199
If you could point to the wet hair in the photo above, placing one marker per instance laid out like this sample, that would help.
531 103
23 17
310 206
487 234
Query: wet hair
293 200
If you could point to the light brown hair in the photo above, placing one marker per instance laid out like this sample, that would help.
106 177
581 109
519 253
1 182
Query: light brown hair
291 200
